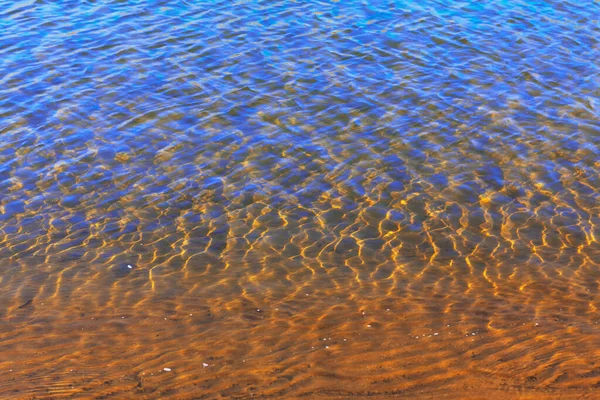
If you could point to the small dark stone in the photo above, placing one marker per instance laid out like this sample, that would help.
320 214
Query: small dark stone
27 304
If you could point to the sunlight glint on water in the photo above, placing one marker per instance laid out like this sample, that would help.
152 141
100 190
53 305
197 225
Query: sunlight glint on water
285 199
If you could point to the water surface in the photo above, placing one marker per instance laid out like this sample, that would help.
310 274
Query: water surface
299 199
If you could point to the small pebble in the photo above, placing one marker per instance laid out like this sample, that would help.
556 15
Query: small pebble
204 365
167 369
129 266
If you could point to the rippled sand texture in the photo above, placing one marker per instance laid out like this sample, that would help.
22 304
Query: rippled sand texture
299 199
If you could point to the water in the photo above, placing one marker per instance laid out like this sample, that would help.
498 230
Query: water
320 199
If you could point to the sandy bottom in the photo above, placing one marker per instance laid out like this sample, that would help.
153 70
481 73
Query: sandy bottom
207 331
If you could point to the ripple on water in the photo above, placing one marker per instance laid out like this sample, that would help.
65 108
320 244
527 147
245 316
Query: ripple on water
294 199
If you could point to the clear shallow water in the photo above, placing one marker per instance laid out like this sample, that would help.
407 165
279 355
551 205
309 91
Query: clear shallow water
315 199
